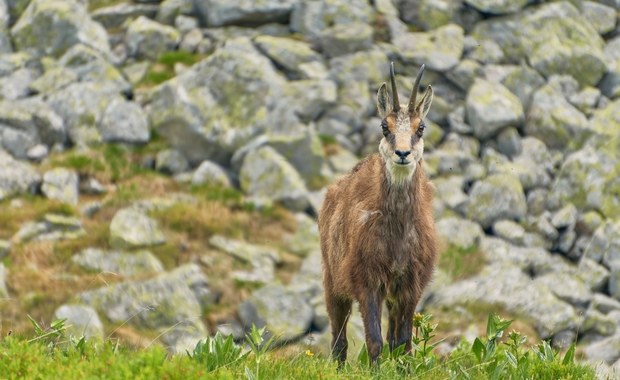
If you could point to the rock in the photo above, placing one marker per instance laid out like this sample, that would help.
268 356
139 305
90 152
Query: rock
213 13
192 40
265 173
565 218
567 288
132 228
212 174
115 16
311 18
346 39
497 7
460 233
307 99
487 52
305 240
555 121
174 298
125 122
429 14
37 153
607 350
243 251
514 292
597 323
285 315
523 81
449 190
546 36
593 274
600 16
342 161
182 338
464 73
289 54
614 278
499 196
509 142
51 27
509 231
604 120
120 263
149 39
53 227
603 303
16 176
80 321
62 185
588 178
171 161
440 49
4 293
17 84
81 107
491 107
610 84
219 104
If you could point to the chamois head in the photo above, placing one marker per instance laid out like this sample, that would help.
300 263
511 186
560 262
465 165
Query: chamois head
403 127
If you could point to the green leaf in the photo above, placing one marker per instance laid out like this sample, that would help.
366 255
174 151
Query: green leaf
569 356
363 357
478 349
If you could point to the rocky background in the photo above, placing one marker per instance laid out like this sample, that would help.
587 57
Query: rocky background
162 162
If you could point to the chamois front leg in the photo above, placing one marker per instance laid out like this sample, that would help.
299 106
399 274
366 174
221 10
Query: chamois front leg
370 306
404 331
392 325
339 310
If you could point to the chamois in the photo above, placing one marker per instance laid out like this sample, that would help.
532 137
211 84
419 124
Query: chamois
377 231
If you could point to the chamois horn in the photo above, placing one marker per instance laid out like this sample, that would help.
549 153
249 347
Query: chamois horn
414 92
395 101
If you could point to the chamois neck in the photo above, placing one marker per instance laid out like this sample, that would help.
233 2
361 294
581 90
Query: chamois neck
397 195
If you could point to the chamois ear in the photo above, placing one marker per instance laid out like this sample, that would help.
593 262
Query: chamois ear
383 101
425 104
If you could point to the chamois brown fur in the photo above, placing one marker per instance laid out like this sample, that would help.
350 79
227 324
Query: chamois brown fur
378 241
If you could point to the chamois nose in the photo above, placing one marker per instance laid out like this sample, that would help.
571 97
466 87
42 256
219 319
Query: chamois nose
402 153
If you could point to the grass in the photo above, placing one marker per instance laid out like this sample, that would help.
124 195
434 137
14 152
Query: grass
460 263
163 69
49 354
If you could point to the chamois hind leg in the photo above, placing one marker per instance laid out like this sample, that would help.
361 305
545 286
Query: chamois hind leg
370 306
338 310
405 326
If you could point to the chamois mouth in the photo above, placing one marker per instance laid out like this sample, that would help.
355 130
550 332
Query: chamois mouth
402 162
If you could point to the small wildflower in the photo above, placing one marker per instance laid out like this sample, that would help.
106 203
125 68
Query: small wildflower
309 353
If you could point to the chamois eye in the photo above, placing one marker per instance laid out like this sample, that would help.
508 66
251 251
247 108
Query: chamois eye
385 129
420 130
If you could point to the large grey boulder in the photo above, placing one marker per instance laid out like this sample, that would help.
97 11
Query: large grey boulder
310 18
554 120
610 84
90 65
50 27
214 13
174 298
115 16
218 105
148 39
210 173
27 123
126 264
555 38
295 57
602 17
267 174
261 258
607 350
286 315
124 121
431 14
80 321
439 49
588 178
514 292
131 227
605 245
567 288
52 227
497 7
171 161
499 196
606 121
491 107
346 39
61 184
81 107
523 81
16 176
458 232
305 240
